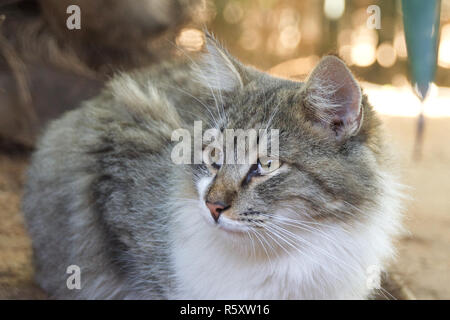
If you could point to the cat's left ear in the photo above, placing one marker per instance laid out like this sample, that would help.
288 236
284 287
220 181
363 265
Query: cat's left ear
333 97
218 69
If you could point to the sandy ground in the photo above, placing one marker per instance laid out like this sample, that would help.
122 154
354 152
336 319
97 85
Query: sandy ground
424 251
423 263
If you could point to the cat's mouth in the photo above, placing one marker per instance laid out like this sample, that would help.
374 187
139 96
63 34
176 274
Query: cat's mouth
231 225
225 223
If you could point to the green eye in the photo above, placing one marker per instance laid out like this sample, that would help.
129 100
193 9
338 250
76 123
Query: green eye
213 157
268 165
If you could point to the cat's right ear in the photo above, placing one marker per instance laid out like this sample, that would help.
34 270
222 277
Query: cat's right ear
217 69
332 97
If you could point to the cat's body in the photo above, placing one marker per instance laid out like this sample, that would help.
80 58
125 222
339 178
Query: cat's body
103 193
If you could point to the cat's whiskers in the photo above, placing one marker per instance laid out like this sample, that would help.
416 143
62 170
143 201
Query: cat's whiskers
295 247
287 241
386 294
272 116
305 223
295 223
360 211
335 214
301 226
252 243
259 237
313 246
277 244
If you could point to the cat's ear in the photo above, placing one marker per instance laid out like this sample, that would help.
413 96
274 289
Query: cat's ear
218 69
333 97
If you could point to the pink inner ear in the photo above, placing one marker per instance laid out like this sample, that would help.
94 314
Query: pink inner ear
350 95
339 95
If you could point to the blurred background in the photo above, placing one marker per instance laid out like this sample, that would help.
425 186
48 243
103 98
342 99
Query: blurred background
46 69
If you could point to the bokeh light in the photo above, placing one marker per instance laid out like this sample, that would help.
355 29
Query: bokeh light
386 55
444 47
392 101
363 54
290 37
270 32
334 9
190 39
363 50
233 12
311 29
400 44
250 39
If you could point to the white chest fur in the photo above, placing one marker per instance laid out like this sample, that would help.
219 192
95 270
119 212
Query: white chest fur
208 268
337 266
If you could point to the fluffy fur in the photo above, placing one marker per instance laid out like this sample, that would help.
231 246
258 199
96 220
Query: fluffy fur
102 192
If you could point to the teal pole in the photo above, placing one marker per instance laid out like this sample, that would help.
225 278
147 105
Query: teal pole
421 24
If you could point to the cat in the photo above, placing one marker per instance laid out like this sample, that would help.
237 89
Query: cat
102 192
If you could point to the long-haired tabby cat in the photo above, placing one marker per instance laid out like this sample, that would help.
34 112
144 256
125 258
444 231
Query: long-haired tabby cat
103 193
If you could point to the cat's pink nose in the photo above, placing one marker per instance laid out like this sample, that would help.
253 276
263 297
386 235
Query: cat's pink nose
216 209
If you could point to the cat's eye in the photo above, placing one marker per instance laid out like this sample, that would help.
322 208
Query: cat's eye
267 165
213 157
264 166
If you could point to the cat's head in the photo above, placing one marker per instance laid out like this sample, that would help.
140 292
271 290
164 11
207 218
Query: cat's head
329 146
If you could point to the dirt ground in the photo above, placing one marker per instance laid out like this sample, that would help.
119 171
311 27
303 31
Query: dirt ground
424 252
423 263
15 247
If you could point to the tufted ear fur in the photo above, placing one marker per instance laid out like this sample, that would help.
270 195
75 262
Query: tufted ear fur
333 97
218 69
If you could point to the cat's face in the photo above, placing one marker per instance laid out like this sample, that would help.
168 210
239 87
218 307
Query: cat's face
325 164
